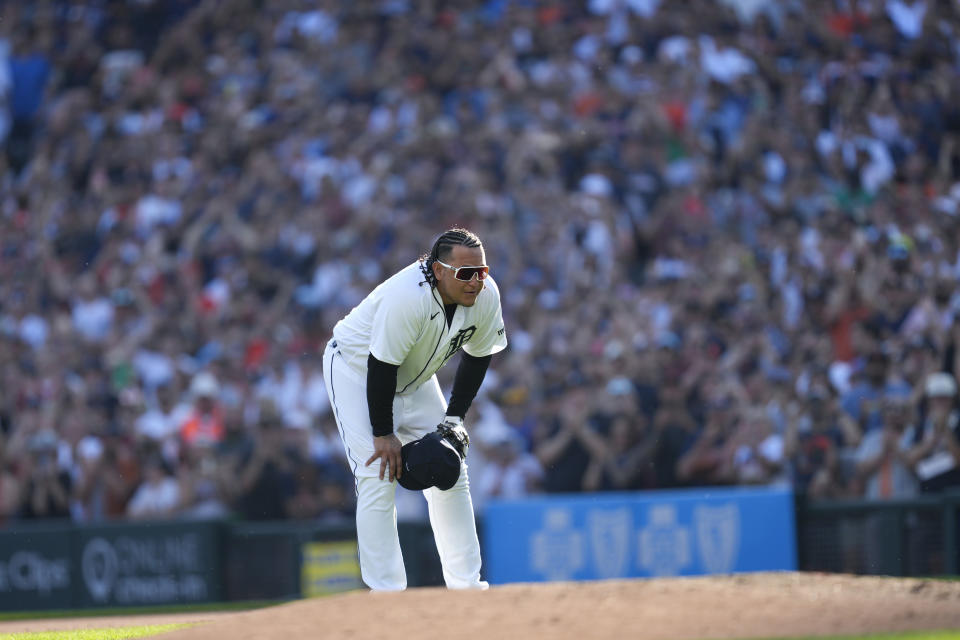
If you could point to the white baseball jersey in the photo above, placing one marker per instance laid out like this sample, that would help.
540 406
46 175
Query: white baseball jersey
403 322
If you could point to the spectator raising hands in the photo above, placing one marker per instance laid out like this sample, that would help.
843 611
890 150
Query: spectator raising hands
187 209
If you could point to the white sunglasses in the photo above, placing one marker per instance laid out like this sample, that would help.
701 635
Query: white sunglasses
467 273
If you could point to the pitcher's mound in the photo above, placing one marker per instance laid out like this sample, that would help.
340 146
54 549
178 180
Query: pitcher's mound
739 606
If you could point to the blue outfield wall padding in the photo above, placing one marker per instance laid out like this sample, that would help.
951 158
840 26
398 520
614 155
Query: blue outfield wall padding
680 532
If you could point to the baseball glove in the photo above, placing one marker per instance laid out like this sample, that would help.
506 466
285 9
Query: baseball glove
454 433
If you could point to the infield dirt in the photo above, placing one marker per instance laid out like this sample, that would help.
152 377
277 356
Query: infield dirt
740 606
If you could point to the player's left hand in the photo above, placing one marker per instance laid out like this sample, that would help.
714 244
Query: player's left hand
387 448
453 432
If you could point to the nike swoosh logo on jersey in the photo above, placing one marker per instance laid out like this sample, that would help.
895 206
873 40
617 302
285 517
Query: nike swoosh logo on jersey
435 315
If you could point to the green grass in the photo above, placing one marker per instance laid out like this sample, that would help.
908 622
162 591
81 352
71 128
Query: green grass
116 633
242 605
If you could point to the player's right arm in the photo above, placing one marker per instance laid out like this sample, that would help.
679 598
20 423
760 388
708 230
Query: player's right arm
396 326
381 387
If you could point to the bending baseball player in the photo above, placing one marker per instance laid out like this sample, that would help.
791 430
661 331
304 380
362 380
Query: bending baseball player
379 370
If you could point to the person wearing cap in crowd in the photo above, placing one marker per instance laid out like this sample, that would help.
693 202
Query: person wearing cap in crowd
883 465
47 490
266 472
379 369
814 442
89 491
884 472
204 424
864 401
510 472
935 457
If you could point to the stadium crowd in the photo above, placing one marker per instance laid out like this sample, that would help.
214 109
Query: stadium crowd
726 232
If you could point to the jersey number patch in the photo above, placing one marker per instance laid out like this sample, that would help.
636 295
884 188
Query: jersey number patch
458 340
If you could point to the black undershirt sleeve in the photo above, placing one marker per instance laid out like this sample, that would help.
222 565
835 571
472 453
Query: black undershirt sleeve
381 387
466 383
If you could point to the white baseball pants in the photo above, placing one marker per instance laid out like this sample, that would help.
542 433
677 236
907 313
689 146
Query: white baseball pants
451 512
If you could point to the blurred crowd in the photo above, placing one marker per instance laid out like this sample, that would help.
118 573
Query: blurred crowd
725 231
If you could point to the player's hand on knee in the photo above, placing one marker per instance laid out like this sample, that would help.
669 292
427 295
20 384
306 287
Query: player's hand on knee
387 448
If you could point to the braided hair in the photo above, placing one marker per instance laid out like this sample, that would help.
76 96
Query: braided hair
442 247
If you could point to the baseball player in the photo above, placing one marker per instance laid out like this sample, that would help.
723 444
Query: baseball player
379 371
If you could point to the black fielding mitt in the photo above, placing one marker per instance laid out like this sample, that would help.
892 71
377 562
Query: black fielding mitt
454 433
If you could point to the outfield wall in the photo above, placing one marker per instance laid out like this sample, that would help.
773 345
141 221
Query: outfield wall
641 534
61 565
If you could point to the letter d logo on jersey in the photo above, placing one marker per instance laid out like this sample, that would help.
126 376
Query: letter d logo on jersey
458 340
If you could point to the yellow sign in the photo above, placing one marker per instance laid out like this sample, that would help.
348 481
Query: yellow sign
329 567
